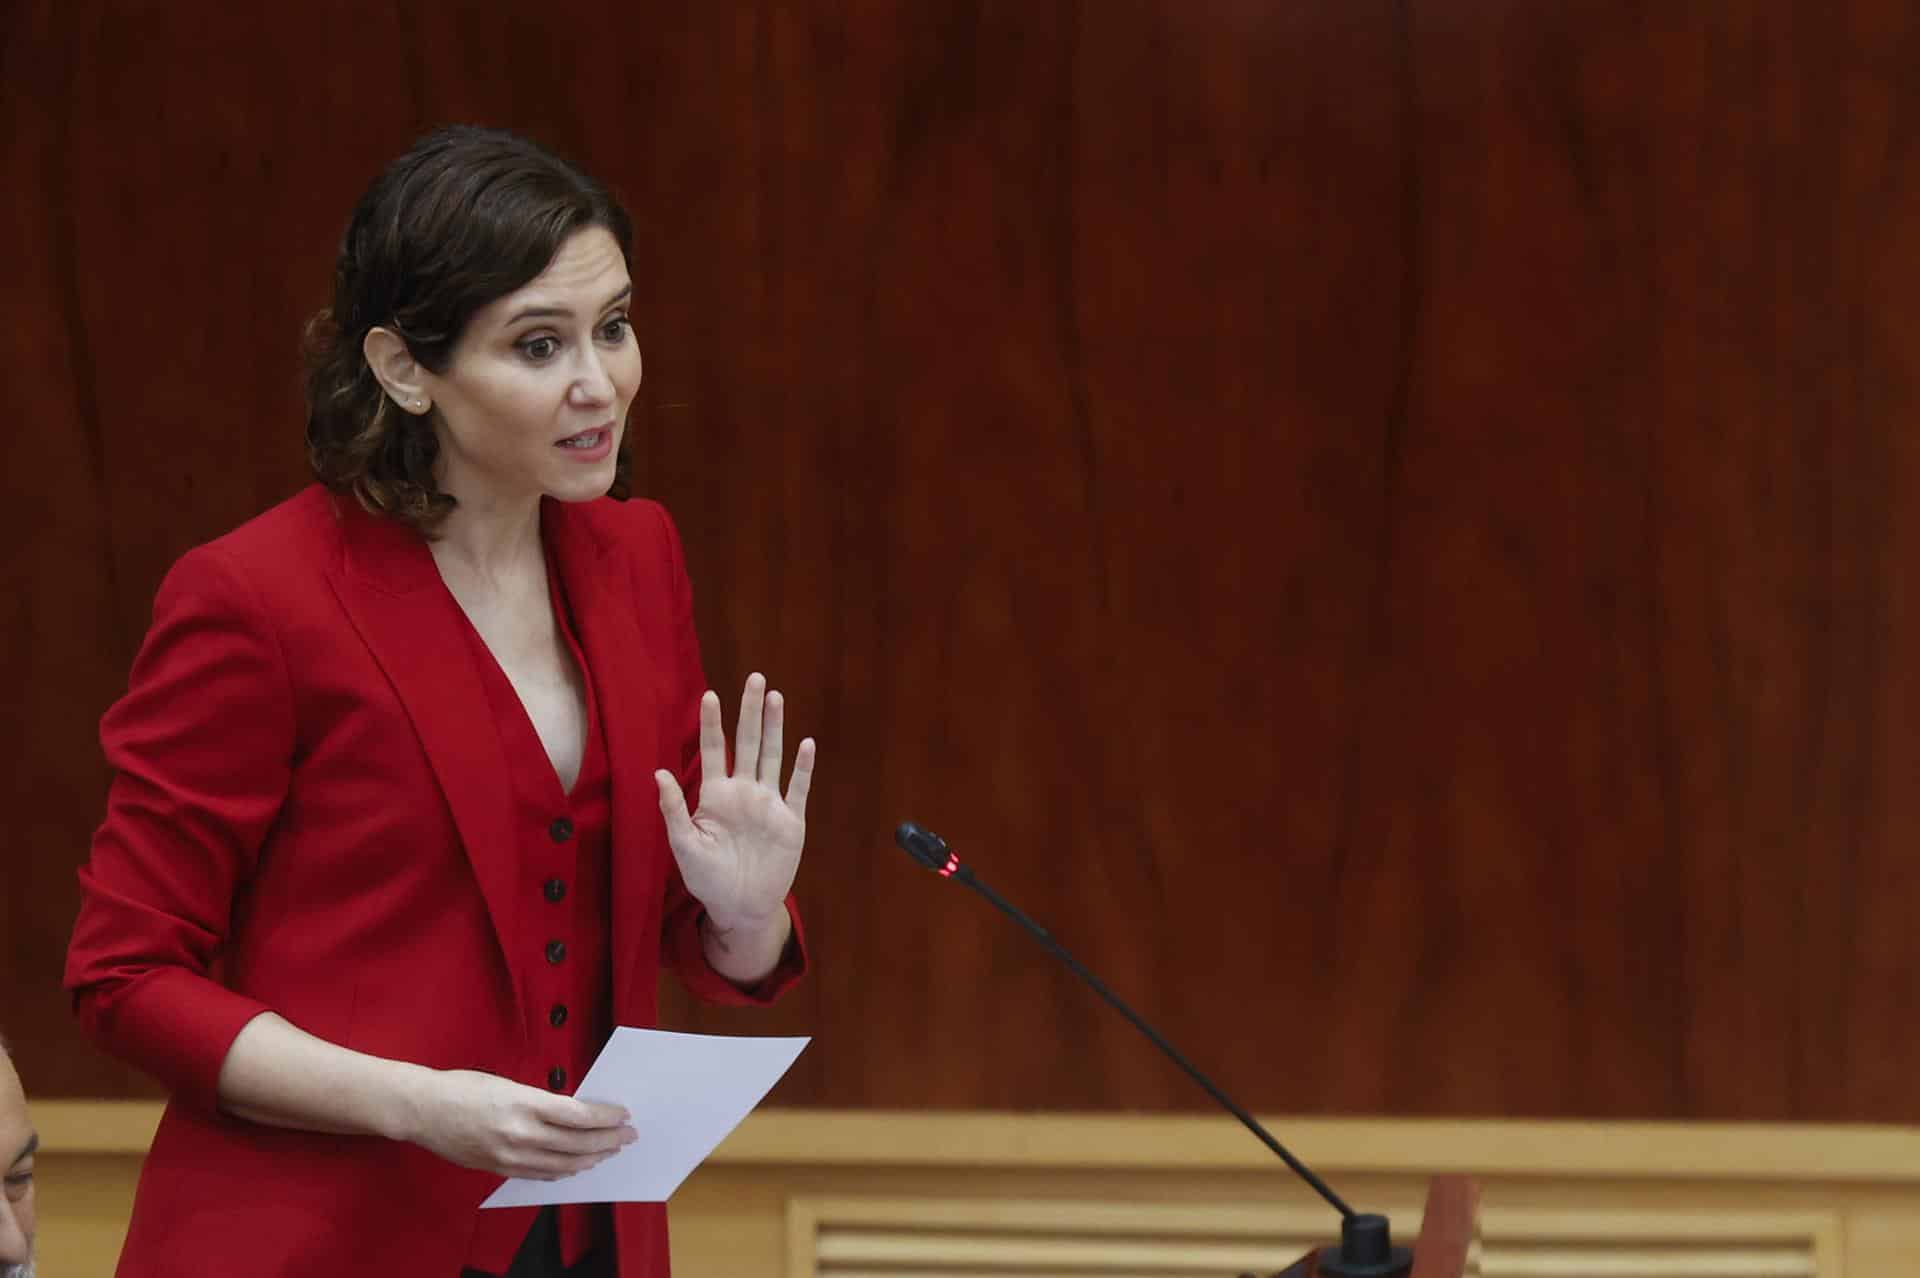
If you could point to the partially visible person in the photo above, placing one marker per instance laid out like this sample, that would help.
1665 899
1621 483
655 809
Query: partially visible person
17 1144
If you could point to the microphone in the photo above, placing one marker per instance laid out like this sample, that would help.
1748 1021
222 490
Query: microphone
1366 1247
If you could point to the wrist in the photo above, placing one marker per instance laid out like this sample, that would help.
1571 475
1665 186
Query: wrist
748 952
400 1104
740 925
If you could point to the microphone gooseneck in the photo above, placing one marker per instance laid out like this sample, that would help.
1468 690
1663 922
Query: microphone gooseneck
931 851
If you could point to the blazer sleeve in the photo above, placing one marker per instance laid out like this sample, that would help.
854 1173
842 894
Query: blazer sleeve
681 946
201 746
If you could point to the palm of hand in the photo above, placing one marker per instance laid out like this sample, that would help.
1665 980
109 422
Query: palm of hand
739 851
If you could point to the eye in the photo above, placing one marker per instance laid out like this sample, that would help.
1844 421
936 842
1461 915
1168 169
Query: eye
18 1184
540 349
615 329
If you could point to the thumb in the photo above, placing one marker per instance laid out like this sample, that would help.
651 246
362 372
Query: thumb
673 806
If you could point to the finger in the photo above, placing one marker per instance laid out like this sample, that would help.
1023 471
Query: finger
802 778
673 806
535 1164
571 1111
713 738
575 1143
770 744
746 733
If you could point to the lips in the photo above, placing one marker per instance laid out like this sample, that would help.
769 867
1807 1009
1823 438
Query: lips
586 440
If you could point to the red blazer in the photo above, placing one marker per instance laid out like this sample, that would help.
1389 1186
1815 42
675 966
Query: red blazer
310 816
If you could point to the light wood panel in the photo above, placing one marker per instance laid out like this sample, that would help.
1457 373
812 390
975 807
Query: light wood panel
899 1237
1561 1200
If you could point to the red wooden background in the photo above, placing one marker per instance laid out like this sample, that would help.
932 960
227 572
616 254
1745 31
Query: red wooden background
1388 525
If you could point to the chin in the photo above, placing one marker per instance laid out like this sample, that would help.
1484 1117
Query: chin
578 488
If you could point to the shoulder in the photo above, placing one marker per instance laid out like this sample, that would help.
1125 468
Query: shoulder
308 520
637 528
640 536
635 521
303 527
284 548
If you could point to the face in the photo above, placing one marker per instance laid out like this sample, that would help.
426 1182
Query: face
17 1145
535 400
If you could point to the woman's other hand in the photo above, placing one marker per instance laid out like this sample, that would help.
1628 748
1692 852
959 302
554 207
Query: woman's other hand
493 1124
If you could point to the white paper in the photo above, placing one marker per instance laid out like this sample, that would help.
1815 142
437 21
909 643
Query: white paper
685 1092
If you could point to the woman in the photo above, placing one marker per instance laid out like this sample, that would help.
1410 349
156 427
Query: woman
400 825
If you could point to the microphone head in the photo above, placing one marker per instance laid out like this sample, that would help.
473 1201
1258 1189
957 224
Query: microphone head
926 847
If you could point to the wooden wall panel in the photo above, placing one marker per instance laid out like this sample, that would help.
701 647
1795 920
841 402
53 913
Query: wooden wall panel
1384 522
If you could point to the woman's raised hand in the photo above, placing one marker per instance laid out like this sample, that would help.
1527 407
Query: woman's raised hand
739 852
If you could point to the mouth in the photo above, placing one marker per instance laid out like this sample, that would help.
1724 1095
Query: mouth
587 440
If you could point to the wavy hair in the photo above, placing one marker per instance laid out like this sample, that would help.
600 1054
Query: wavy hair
465 217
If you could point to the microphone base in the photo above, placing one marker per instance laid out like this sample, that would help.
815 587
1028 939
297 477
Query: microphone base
1366 1250
1398 1264
1314 1265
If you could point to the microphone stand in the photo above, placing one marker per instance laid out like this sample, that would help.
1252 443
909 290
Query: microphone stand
1366 1247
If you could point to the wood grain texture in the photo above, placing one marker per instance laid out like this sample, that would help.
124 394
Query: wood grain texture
1380 516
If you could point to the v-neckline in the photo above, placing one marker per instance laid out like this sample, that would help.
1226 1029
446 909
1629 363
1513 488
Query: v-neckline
570 651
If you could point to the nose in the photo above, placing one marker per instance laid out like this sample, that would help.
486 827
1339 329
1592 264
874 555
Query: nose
592 386
15 1247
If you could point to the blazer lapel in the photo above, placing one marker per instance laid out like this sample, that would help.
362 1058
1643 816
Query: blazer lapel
393 594
599 590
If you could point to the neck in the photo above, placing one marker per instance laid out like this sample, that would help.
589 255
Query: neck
490 541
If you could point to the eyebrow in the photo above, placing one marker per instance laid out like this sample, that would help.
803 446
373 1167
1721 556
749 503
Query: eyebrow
31 1147
560 312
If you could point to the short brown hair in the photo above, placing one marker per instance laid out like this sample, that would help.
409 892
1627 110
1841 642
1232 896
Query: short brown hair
465 217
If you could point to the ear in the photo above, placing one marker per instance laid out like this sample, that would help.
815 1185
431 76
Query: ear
394 367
